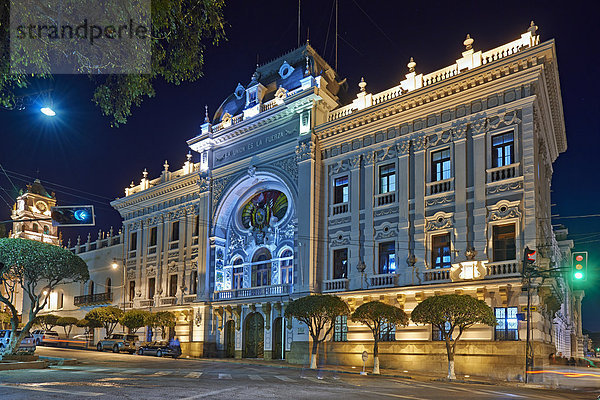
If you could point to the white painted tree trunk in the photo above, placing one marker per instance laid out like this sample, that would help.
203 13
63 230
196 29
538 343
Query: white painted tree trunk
376 365
313 361
451 374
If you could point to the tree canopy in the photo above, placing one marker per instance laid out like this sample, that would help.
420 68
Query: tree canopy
162 320
135 319
37 268
67 324
319 312
180 30
46 322
108 317
452 313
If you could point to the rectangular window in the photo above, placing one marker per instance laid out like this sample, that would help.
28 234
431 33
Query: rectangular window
287 269
131 290
440 251
387 178
387 332
196 225
436 334
340 329
507 327
387 258
340 263
153 235
340 190
194 282
133 241
440 165
151 287
503 242
503 149
175 231
172 285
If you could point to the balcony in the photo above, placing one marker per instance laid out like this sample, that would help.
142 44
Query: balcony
502 173
502 268
437 275
189 298
93 299
335 285
385 199
383 280
446 185
147 303
340 208
259 291
168 301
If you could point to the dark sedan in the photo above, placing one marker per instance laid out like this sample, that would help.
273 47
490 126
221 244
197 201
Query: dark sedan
159 348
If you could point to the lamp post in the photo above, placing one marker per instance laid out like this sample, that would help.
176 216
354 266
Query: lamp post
115 265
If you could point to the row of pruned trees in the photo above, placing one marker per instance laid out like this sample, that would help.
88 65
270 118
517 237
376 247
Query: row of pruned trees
451 314
109 317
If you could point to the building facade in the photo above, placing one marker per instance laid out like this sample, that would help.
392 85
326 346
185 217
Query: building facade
433 186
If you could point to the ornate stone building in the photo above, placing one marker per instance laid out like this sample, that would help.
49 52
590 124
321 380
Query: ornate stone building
433 186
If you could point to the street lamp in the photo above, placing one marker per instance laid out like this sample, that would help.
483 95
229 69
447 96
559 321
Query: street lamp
361 268
48 111
115 265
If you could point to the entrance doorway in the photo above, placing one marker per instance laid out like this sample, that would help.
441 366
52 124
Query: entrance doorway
254 336
230 339
278 339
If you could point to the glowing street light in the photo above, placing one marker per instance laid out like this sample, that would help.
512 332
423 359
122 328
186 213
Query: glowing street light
47 111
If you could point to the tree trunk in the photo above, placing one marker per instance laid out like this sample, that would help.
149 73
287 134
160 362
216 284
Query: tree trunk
375 358
313 355
450 351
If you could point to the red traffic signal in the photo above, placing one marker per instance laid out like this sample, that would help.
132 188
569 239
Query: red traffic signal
528 256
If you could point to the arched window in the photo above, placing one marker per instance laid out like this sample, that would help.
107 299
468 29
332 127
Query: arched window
261 268
286 265
238 274
35 227
46 230
108 285
91 288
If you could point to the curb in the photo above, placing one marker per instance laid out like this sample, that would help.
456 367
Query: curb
59 361
7 366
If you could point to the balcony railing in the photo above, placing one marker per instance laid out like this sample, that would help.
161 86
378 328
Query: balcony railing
147 303
340 208
502 268
259 291
383 280
443 186
335 285
504 172
188 298
435 275
385 199
167 301
89 299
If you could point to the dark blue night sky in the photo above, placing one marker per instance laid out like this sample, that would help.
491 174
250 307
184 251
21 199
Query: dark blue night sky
79 150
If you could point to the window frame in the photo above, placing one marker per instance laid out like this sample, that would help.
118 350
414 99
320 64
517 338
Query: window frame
516 140
432 172
340 329
494 158
505 336
289 268
333 261
346 196
175 231
387 176
379 257
495 242
489 250
431 261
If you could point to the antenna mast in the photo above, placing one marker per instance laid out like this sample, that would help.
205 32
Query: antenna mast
336 35
298 23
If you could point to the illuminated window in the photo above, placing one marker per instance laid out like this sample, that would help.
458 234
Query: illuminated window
387 258
261 272
440 251
340 190
503 242
507 324
194 282
503 149
340 263
387 178
340 329
172 285
153 235
238 274
440 165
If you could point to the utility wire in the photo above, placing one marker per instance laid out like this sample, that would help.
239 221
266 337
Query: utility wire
375 23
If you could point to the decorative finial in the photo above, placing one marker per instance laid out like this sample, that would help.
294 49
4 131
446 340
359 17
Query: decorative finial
532 28
132 185
189 156
362 84
166 166
411 65
206 119
307 70
468 42
145 174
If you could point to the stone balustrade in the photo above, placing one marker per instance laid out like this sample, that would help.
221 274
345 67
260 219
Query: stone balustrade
335 285
436 275
259 291
502 268
383 280
504 172
385 198
340 208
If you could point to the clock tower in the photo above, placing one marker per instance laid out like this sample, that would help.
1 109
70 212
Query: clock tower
35 204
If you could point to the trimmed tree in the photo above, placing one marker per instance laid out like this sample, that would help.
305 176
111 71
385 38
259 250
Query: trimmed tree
319 313
4 320
162 320
88 325
107 317
67 324
135 319
452 313
37 268
46 322
380 318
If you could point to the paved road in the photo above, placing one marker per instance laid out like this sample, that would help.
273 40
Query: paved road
111 376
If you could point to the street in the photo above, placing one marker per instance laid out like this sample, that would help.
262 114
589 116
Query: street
108 375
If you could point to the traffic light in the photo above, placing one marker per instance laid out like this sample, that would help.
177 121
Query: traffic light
579 266
73 216
528 257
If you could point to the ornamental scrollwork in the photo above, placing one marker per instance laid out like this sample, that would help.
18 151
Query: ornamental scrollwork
439 200
151 271
505 211
340 239
305 151
420 143
288 165
203 184
385 231
505 187
479 126
403 147
439 221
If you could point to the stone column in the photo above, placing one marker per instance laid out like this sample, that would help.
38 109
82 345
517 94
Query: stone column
529 164
461 218
479 178
354 255
368 233
203 239
403 180
419 176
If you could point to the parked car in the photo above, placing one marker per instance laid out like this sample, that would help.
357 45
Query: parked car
44 337
118 342
27 345
159 348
